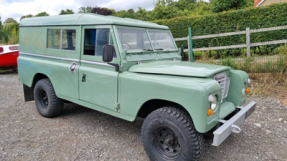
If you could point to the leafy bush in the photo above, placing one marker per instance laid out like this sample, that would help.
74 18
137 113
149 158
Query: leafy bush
228 62
255 18
274 64
282 50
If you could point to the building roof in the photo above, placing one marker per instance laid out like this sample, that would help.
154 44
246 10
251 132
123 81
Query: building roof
86 19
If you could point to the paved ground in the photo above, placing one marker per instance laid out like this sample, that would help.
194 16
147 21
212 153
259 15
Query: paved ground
84 134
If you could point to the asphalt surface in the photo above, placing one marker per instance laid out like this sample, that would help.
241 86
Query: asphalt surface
84 134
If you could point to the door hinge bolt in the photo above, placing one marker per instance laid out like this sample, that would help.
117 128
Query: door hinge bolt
117 106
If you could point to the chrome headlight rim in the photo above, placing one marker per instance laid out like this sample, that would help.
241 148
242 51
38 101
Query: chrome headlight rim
248 80
243 89
213 100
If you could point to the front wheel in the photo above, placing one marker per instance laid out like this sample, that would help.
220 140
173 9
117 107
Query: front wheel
47 103
168 134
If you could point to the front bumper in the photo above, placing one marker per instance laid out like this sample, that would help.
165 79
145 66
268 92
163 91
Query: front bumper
232 124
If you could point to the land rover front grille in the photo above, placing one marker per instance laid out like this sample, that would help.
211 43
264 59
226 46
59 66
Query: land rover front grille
224 82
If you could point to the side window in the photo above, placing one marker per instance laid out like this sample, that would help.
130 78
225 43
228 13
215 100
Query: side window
68 39
61 39
95 40
54 37
90 41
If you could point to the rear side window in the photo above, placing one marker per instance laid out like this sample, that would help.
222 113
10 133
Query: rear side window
61 39
54 37
68 39
14 48
1 50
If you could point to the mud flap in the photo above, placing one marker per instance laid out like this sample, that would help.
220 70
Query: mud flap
28 93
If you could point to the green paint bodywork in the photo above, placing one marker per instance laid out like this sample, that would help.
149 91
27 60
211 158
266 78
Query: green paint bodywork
180 68
160 75
87 19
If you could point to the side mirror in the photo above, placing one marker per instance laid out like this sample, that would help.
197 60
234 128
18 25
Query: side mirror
108 53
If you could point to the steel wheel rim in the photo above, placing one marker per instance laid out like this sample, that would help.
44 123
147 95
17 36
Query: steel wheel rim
44 98
166 142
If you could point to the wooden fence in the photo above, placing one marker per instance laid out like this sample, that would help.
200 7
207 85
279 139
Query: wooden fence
248 45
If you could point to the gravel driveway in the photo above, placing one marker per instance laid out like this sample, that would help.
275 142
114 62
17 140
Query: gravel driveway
83 134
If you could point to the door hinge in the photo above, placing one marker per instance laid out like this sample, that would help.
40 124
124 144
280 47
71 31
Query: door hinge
117 106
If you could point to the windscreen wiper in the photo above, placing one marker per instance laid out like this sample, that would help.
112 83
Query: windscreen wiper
147 50
159 49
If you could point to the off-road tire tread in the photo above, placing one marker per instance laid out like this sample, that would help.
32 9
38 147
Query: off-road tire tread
196 139
56 104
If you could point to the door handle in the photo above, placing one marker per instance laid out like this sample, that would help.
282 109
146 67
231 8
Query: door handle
84 78
73 67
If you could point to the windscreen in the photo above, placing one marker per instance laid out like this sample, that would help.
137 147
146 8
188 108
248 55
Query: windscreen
134 39
147 40
161 40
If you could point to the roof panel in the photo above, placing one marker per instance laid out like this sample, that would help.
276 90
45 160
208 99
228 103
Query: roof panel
86 19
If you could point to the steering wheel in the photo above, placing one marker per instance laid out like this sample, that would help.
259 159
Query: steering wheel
126 45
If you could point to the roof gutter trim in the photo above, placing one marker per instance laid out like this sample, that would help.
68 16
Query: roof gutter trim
162 27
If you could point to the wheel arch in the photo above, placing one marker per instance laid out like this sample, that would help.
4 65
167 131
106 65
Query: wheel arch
37 77
154 104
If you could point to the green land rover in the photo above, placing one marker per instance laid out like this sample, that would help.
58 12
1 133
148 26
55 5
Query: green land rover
129 68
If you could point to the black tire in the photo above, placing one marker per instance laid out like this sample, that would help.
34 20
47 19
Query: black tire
168 134
47 103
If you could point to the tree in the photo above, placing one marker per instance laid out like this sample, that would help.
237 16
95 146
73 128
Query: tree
85 9
113 11
2 34
164 2
185 4
142 13
165 9
42 14
131 11
11 33
10 20
101 11
0 24
225 5
68 11
26 16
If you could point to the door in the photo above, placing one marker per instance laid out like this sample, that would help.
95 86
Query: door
98 80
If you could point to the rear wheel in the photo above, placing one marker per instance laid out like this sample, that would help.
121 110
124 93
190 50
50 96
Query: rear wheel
168 134
47 103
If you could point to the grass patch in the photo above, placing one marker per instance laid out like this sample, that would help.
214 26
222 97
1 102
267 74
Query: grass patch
259 64
4 70
269 89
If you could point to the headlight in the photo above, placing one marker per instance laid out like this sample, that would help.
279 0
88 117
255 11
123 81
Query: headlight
213 100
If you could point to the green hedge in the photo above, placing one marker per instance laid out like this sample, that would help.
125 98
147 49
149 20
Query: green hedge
255 18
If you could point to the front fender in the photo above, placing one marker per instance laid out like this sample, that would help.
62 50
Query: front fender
237 79
135 89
